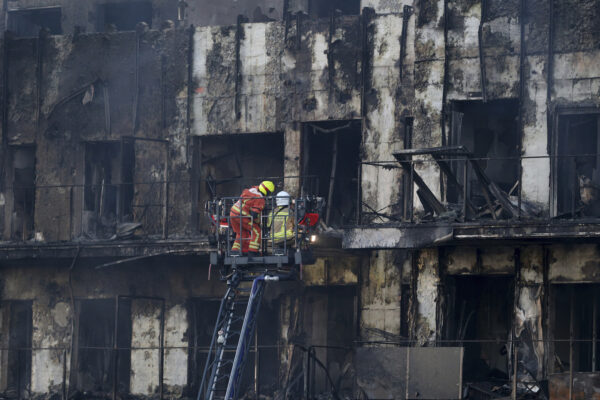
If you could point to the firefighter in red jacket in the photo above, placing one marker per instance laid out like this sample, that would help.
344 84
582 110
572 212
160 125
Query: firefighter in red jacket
245 218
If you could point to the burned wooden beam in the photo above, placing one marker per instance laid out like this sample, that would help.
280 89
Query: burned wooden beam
446 169
426 193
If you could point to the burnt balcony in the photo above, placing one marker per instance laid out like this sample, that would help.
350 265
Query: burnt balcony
449 195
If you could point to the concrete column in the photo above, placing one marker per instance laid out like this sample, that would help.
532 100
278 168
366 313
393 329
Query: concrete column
528 324
51 334
292 158
380 288
176 353
145 341
427 296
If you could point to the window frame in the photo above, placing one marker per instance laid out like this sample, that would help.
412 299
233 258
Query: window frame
557 113
30 10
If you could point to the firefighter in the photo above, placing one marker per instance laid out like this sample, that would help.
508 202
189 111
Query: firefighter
245 218
281 221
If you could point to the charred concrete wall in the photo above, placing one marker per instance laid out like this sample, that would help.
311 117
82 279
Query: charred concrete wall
534 270
66 91
56 289
158 302
270 77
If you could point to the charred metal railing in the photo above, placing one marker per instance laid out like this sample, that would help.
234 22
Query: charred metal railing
313 376
114 210
450 183
303 212
101 211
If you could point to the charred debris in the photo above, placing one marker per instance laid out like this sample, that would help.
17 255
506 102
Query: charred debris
456 143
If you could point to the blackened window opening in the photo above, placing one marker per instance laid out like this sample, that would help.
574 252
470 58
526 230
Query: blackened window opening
324 8
95 346
576 308
320 178
23 183
490 132
18 367
268 333
28 23
577 167
203 319
228 164
108 192
478 317
123 16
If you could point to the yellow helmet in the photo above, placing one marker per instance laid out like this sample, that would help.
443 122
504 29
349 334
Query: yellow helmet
266 187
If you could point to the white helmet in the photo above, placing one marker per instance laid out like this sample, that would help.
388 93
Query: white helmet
283 199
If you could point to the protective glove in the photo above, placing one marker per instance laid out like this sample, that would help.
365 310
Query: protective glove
255 216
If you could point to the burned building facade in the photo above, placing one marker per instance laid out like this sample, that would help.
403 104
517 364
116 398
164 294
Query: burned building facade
456 143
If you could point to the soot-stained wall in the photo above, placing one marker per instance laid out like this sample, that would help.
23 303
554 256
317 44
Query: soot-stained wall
55 289
267 77
64 91
283 72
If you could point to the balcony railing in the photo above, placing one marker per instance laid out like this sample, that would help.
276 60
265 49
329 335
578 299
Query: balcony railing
451 184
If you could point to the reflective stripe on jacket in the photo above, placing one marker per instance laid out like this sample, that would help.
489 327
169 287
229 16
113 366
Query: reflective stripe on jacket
251 200
281 225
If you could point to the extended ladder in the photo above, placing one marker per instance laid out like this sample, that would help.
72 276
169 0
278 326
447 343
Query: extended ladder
233 331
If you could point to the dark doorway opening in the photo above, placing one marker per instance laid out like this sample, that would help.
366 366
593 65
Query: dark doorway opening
324 8
203 314
23 183
490 132
330 159
108 191
478 317
225 165
28 23
577 167
123 16
575 323
18 366
95 353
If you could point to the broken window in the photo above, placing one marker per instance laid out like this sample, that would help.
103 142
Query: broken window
322 8
227 164
108 191
489 132
23 183
95 351
28 23
16 378
577 165
330 159
575 327
478 317
123 16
